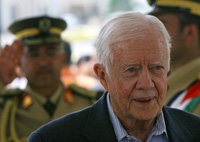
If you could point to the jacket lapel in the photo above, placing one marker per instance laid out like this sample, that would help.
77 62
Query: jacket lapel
98 126
176 130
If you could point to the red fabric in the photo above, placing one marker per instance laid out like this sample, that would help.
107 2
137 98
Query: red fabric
192 92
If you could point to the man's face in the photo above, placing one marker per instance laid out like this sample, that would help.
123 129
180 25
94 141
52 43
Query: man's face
137 80
42 65
172 24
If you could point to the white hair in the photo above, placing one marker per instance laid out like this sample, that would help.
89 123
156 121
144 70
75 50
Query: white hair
123 27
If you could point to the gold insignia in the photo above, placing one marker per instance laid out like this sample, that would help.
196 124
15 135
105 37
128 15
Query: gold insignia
69 98
26 101
44 25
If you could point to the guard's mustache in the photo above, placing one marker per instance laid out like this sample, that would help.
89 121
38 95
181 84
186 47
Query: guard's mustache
44 69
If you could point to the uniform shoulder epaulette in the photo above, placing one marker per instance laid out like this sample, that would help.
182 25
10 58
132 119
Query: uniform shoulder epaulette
10 93
90 94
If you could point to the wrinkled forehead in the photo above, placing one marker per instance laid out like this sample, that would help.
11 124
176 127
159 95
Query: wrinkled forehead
141 46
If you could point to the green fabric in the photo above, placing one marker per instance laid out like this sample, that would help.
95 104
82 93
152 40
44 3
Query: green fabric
192 105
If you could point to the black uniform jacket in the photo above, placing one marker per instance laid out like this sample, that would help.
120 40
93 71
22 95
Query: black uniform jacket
93 125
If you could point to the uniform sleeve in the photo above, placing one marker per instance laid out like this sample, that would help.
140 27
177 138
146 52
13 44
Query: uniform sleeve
1 86
1 98
1 109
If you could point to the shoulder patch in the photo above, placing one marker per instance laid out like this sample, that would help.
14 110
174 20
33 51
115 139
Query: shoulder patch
10 93
90 94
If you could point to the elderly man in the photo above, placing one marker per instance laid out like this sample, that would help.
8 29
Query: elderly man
133 62
45 97
182 20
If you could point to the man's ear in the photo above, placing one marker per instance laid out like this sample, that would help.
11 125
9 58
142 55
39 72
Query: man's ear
190 33
100 71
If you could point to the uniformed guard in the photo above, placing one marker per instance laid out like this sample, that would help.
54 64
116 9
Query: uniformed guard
45 98
182 20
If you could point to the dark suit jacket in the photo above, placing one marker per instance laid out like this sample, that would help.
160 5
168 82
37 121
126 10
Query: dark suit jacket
93 125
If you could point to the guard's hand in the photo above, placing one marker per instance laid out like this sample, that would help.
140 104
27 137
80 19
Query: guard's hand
10 57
